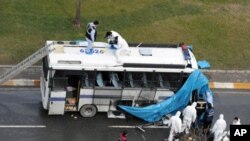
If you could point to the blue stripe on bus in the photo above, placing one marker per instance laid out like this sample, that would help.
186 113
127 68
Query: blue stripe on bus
86 96
57 99
99 96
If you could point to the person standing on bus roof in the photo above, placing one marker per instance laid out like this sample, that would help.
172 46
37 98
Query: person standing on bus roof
91 34
183 46
116 41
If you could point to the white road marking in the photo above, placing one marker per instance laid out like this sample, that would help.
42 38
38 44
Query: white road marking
230 92
125 126
22 126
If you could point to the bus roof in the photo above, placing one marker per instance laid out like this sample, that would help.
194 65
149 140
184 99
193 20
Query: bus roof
72 55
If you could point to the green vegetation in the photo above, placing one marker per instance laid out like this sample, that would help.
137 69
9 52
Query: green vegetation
219 30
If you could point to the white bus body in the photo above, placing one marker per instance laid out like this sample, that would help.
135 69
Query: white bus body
89 83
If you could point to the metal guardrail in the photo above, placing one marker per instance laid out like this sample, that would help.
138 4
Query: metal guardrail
27 62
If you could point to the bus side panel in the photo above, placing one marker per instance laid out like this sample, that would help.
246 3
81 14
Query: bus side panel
86 97
57 102
147 94
131 94
103 97
163 94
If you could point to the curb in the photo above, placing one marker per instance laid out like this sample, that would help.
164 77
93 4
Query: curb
212 85
21 83
224 85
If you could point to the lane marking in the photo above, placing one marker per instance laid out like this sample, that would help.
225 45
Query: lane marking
125 126
227 92
22 126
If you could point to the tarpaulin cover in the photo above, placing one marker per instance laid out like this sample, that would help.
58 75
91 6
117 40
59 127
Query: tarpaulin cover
203 64
196 81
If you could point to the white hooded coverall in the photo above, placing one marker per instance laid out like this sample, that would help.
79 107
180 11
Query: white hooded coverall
189 116
91 31
237 122
225 136
122 45
219 128
176 125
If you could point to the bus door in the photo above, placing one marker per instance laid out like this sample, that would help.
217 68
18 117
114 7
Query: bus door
44 83
73 91
57 96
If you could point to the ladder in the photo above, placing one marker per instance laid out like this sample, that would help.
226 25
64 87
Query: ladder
29 61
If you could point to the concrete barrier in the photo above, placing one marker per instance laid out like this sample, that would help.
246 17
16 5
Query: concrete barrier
225 85
22 83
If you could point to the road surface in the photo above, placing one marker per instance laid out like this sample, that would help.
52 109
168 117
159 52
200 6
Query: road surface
22 118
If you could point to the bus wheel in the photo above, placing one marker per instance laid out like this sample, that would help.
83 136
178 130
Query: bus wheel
88 110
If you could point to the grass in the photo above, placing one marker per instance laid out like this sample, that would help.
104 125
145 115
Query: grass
219 30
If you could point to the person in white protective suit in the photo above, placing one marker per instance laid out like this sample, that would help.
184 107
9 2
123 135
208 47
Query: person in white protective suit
225 136
189 116
91 34
118 42
236 121
175 125
210 98
219 128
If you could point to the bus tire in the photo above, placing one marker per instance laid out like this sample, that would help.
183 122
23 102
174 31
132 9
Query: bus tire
88 110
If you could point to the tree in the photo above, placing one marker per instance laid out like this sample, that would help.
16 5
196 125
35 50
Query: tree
77 20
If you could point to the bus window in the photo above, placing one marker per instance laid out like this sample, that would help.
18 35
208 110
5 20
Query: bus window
88 79
173 80
59 73
128 82
160 82
137 78
59 83
85 82
150 77
144 80
106 79
114 78
99 80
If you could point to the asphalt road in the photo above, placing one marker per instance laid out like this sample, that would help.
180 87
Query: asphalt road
22 118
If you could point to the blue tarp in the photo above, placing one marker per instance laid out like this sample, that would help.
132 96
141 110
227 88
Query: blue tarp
203 64
152 113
